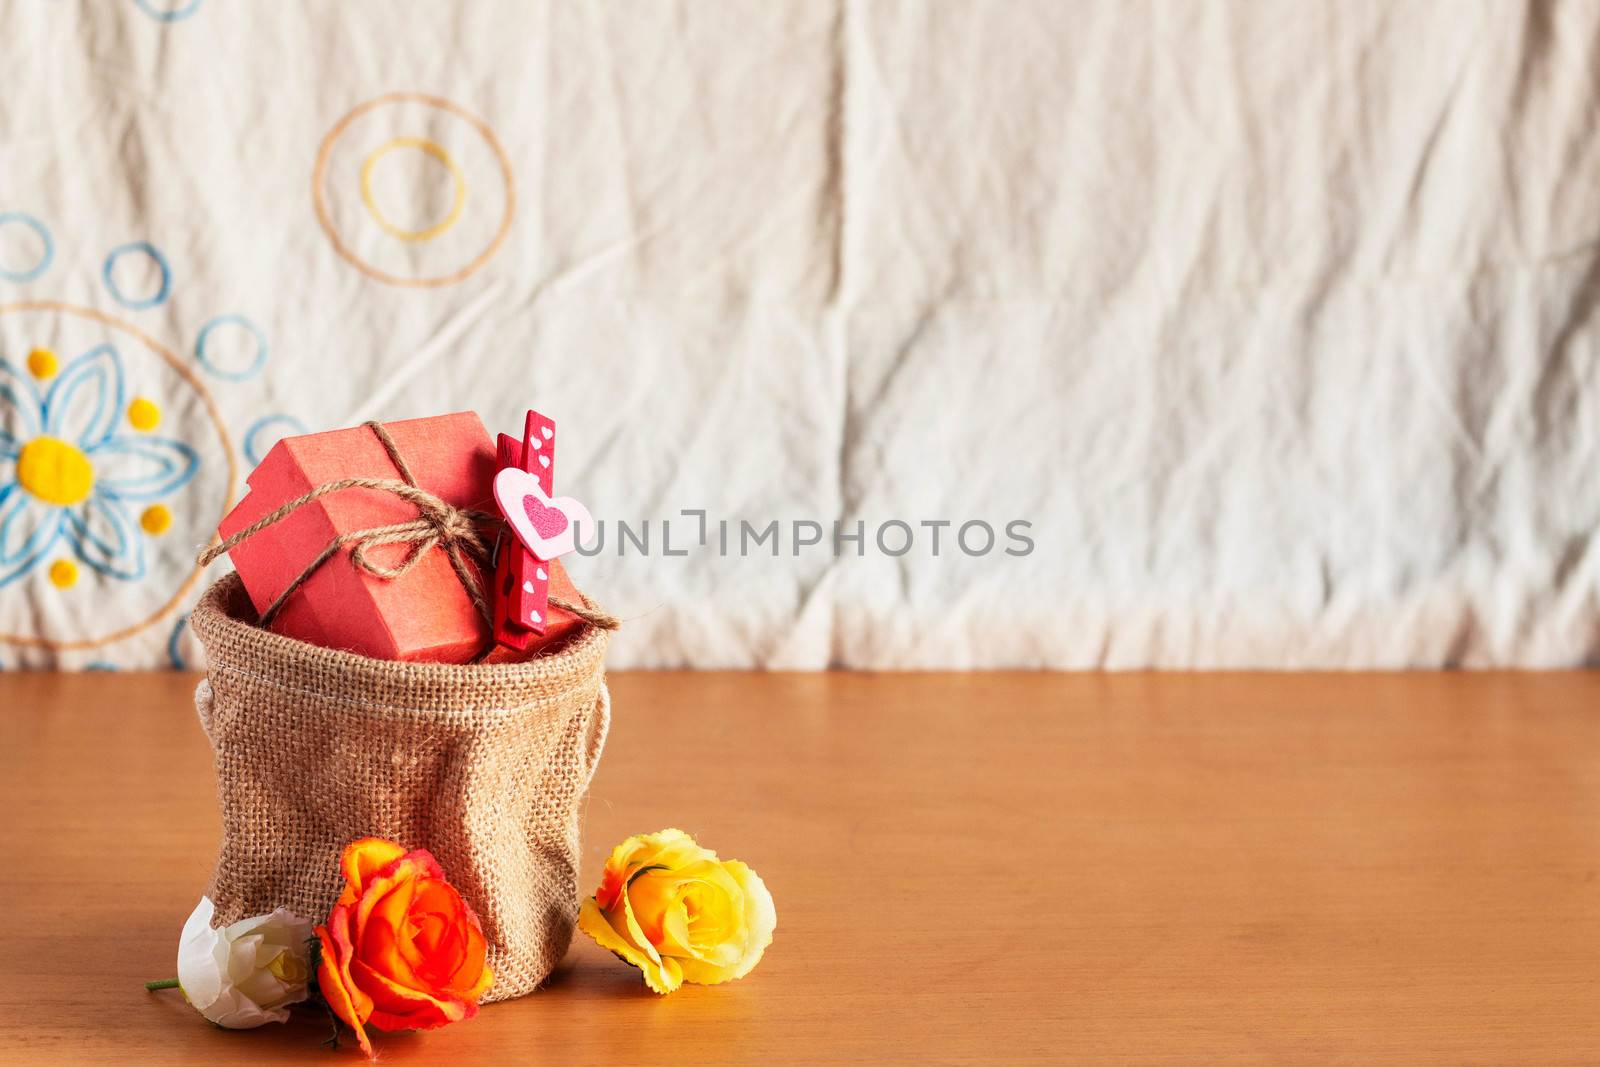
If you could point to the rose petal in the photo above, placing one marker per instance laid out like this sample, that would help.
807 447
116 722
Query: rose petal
473 978
760 919
396 1007
666 848
199 962
437 947
385 881
385 929
333 977
661 977
362 859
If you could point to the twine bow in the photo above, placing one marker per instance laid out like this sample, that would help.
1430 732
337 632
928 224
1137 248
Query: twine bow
439 524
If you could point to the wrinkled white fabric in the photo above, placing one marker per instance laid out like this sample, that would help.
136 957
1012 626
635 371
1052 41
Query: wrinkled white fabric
1275 320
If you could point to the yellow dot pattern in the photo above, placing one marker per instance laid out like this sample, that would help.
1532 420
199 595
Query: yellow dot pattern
42 363
144 414
156 520
63 574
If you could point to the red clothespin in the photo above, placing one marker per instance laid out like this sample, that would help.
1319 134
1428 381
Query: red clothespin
522 582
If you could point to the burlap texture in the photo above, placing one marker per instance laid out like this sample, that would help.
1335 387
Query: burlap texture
483 765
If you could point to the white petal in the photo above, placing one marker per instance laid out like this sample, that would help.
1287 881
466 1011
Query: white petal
292 929
105 537
199 966
241 956
20 405
238 1012
245 927
263 987
141 468
85 402
28 528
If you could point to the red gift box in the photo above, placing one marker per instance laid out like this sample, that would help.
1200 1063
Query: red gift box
426 614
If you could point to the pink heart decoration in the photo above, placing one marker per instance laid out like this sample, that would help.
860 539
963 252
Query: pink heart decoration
546 526
547 521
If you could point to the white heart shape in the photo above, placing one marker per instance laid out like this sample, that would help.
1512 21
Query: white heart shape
547 432
538 572
512 488
533 616
527 587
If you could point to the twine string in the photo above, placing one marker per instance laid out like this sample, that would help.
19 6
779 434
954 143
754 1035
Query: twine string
439 524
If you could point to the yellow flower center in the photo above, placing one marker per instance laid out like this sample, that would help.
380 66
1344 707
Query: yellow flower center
286 967
55 471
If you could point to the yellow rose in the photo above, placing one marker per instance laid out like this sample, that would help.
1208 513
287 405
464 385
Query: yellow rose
679 914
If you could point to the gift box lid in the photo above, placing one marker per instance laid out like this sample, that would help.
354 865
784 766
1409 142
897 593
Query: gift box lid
424 615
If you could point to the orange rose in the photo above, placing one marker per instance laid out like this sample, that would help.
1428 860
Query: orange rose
401 950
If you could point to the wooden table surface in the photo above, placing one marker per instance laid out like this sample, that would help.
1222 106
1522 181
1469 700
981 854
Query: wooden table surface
982 868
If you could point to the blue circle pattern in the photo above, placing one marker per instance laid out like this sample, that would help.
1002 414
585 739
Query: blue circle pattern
171 14
160 261
252 437
231 375
22 277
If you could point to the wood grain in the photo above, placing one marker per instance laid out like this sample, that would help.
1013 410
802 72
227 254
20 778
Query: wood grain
968 868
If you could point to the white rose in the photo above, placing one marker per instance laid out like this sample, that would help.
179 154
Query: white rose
246 974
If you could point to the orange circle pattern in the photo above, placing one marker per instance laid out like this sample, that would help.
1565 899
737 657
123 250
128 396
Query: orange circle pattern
325 217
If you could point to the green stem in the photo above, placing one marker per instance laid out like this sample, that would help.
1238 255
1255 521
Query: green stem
165 983
333 1021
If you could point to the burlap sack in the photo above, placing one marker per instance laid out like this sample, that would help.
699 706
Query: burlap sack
483 765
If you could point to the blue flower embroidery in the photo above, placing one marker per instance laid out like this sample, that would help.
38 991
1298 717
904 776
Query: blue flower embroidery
65 472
